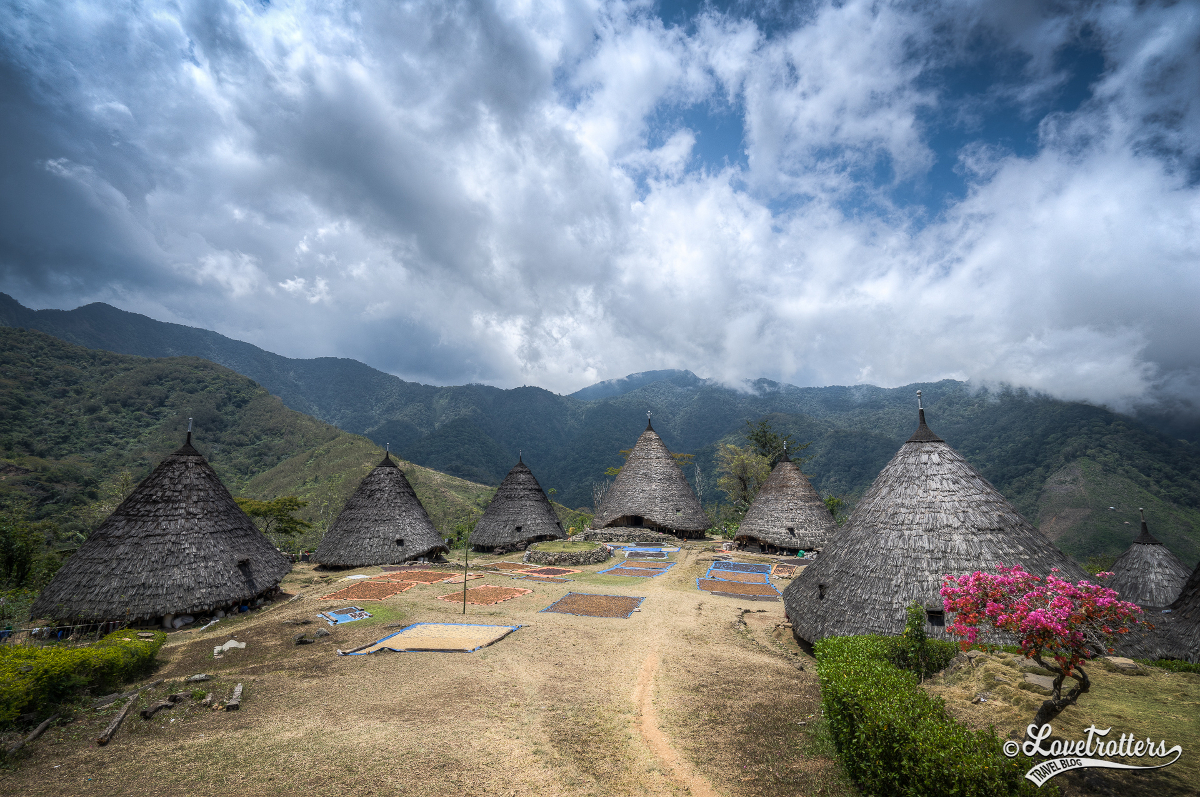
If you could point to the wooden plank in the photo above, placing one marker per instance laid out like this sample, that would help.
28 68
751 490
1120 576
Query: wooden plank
235 702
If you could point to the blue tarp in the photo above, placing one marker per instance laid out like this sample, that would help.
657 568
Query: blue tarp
347 615
741 567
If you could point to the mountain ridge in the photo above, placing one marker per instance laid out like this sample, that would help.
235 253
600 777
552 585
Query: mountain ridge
1017 438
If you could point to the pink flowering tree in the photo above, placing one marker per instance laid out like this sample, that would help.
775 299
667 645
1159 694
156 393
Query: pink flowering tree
1058 624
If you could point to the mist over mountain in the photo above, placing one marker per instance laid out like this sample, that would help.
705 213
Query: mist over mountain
1062 463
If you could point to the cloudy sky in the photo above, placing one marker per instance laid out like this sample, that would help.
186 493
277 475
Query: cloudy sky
556 193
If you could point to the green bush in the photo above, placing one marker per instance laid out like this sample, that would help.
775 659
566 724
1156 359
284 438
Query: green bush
915 652
1172 665
893 738
35 677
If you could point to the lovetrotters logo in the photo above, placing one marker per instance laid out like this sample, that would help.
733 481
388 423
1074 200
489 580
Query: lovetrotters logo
1063 755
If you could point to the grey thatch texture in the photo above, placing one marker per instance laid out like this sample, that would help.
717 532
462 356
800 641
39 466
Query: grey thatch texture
1176 633
177 545
1148 574
519 513
1184 632
651 491
928 514
383 523
787 512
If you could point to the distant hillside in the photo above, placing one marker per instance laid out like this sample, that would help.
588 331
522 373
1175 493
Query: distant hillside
1017 439
73 419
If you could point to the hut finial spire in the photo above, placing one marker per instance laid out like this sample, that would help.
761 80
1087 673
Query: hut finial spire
520 457
189 437
923 434
649 428
1146 538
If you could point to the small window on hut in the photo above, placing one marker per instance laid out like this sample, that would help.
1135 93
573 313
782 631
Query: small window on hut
517 529
821 592
937 618
792 530
400 542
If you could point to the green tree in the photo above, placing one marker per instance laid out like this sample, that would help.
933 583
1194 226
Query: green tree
837 507
770 444
23 552
741 471
275 518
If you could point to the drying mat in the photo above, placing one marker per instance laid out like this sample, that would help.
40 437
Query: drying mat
636 572
785 571
741 597
586 605
404 568
741 567
486 595
369 591
544 579
735 588
648 565
550 571
416 576
450 637
518 566
745 578
645 555
459 579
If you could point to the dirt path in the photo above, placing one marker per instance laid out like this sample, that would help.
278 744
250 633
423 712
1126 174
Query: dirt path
566 706
643 698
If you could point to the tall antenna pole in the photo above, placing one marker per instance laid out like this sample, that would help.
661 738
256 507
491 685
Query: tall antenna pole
466 556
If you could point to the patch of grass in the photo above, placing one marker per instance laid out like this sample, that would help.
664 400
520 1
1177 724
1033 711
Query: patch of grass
559 546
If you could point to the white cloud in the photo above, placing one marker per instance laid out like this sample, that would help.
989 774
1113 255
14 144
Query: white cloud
521 188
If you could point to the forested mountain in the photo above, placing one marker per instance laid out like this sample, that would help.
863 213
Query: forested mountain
79 427
1062 463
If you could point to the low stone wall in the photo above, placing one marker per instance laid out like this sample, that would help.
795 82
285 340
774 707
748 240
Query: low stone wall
627 534
535 557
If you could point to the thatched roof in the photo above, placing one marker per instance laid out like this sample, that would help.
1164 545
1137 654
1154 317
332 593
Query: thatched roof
1185 620
1148 574
519 513
1176 633
383 523
651 491
787 512
177 545
928 514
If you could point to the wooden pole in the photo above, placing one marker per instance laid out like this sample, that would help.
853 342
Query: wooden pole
116 723
38 731
466 558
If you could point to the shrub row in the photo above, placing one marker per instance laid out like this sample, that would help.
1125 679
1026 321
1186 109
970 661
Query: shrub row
894 738
35 677
1172 665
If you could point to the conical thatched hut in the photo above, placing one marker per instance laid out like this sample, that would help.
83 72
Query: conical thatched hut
1176 632
928 514
519 514
1148 574
651 492
383 523
177 545
787 514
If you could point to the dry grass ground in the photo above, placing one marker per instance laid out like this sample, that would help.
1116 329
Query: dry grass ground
681 698
1159 704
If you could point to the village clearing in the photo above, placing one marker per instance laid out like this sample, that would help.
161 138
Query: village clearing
694 694
691 695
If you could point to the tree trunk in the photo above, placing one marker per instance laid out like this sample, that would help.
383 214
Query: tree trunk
1057 702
